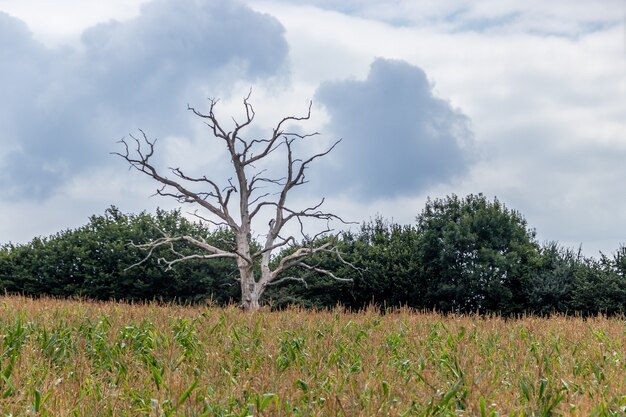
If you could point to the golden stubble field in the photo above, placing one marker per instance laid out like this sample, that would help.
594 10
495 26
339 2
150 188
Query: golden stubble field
78 358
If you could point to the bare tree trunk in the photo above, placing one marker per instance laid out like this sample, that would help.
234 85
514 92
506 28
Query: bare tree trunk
251 289
249 298
247 285
252 302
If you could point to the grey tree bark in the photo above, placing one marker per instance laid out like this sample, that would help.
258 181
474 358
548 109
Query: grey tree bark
239 204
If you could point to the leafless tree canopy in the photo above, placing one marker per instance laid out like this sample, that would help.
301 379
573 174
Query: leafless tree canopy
238 205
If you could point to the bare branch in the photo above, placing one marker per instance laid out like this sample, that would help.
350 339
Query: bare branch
324 272
251 190
297 279
205 219
294 258
167 241
276 245
142 163
276 134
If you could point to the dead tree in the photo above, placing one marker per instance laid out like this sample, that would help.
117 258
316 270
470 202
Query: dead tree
239 204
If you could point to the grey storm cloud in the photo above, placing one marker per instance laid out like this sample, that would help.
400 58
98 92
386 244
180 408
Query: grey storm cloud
398 138
63 109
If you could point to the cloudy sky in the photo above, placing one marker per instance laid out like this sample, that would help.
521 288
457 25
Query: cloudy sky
523 100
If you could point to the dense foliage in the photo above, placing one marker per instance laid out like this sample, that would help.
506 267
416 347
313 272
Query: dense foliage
465 255
93 261
462 255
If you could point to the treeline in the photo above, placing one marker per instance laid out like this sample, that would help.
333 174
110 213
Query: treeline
461 255
96 261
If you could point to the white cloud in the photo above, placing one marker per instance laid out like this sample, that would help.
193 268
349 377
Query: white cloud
559 17
398 138
541 82
547 111
137 73
57 23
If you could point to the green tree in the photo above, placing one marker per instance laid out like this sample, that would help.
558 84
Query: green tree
618 262
551 286
600 285
93 260
474 255
388 275
379 259
306 287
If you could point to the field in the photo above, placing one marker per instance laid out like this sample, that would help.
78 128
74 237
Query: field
76 358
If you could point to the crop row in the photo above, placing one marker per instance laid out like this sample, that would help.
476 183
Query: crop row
75 358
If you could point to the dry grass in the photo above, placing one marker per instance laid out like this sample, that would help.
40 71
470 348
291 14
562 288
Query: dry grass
71 358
